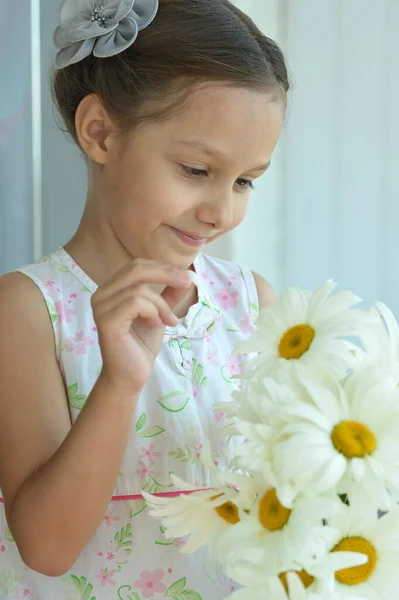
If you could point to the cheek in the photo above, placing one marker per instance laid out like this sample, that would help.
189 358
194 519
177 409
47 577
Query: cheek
240 210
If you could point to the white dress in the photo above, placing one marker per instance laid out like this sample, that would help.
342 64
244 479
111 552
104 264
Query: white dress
128 557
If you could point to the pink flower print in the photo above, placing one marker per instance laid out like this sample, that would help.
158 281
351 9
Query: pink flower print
246 325
18 593
50 283
226 299
151 583
64 313
197 447
234 364
180 541
73 295
149 454
195 393
220 418
205 276
143 469
79 343
109 517
110 556
105 577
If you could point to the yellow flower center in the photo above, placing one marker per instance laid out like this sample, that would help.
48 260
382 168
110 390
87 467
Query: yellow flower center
306 579
296 341
227 511
353 439
272 514
356 575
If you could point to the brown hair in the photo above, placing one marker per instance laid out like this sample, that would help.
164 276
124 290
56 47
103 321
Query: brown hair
190 42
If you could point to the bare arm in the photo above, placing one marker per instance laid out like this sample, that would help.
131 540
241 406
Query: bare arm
46 467
266 294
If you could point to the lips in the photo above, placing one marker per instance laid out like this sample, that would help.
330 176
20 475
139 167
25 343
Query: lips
189 238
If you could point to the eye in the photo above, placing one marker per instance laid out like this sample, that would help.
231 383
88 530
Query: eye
201 173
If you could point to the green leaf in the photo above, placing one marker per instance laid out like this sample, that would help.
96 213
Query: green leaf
198 373
137 508
225 375
176 588
63 269
180 454
52 312
231 330
174 402
204 382
86 289
124 536
186 345
152 431
9 537
141 422
163 541
43 260
132 596
83 587
190 595
78 402
9 580
255 307
72 390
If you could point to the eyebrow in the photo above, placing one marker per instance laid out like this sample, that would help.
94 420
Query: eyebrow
212 151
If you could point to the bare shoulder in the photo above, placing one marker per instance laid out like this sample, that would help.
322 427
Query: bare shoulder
34 416
266 293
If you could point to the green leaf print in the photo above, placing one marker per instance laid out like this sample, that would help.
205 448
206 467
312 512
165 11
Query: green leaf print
43 260
183 455
76 400
186 345
124 537
132 596
152 431
64 269
174 402
52 312
83 587
9 537
141 422
137 508
86 289
163 541
188 595
198 371
176 588
152 486
9 580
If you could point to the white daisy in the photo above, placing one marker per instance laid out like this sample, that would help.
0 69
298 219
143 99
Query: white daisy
273 534
343 436
203 514
359 530
303 333
381 342
293 584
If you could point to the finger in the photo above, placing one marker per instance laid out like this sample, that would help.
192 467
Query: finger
165 313
143 272
173 296
122 315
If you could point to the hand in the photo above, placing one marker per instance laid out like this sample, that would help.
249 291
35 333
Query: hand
131 319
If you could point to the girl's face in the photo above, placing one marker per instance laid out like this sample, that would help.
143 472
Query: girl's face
179 184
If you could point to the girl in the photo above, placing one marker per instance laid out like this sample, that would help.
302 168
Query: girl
111 359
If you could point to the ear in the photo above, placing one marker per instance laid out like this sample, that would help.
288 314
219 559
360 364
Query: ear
94 128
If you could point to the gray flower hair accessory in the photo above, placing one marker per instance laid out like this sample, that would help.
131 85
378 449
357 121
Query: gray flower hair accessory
101 27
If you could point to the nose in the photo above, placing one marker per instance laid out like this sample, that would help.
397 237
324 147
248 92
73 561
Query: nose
217 211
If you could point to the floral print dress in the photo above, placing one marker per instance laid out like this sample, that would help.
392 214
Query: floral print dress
128 557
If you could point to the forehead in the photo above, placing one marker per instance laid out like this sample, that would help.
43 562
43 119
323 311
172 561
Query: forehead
243 125
237 121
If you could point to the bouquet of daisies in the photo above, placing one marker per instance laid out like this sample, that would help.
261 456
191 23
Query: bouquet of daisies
308 509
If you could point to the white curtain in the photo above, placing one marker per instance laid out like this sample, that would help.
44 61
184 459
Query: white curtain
15 135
